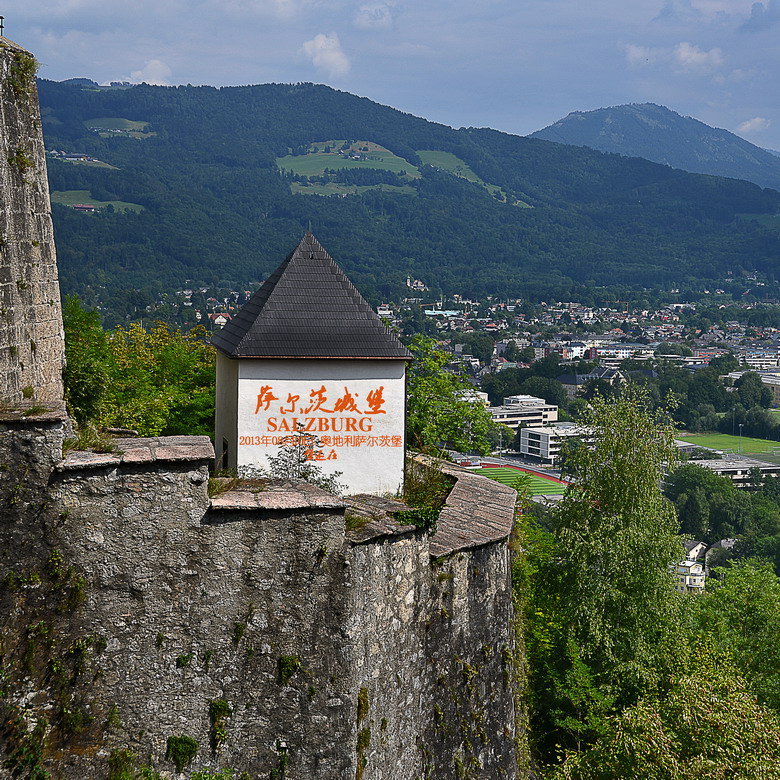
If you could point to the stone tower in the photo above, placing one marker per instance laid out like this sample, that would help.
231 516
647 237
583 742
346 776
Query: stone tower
31 337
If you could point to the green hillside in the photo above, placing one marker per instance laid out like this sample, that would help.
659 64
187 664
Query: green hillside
217 209
446 161
342 155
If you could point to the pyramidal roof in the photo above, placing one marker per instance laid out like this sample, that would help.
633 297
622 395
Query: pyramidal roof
308 308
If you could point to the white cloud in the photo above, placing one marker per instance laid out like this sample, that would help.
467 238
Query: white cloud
691 58
763 16
641 55
737 76
326 54
754 125
154 72
376 16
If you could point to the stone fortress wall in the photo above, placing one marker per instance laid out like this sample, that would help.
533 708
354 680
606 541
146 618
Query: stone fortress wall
277 630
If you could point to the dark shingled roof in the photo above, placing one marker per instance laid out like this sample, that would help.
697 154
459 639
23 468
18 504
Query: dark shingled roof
308 308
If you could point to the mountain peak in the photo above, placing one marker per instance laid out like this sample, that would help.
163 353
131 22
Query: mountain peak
661 135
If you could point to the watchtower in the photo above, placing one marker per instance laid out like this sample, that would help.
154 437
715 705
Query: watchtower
31 340
308 355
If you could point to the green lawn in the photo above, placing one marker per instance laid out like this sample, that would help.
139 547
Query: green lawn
317 159
725 441
93 164
333 188
506 475
71 197
115 123
450 163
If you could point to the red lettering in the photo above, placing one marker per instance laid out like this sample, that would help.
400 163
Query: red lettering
264 398
375 400
347 403
292 400
318 398
272 423
365 424
350 422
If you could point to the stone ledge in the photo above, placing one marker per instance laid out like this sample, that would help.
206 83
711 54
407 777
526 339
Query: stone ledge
143 452
29 412
275 496
376 510
478 511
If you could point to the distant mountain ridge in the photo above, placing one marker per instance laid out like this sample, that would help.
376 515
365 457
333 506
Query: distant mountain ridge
224 179
661 135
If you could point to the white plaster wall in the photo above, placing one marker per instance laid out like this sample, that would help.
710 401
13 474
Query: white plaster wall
226 414
364 442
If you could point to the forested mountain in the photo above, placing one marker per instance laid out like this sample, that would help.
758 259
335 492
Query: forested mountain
663 136
498 214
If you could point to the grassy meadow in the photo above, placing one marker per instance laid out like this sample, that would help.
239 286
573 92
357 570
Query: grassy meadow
72 197
317 160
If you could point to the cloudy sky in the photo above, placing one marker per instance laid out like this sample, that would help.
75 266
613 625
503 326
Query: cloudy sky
516 65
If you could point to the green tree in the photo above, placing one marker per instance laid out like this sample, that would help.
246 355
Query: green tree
511 353
694 513
550 389
724 364
752 392
607 600
440 408
708 720
160 381
597 388
86 359
739 616
527 354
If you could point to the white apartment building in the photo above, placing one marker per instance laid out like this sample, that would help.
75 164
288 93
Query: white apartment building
526 410
544 444
740 470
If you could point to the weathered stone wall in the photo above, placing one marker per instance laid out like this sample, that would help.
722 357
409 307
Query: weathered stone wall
31 345
433 658
470 728
390 614
134 609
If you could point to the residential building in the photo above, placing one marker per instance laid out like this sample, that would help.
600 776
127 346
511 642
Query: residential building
694 549
689 577
524 410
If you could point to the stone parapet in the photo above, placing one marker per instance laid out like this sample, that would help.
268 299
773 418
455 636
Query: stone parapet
143 451
478 511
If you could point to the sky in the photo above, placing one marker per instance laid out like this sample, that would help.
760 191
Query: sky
514 65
